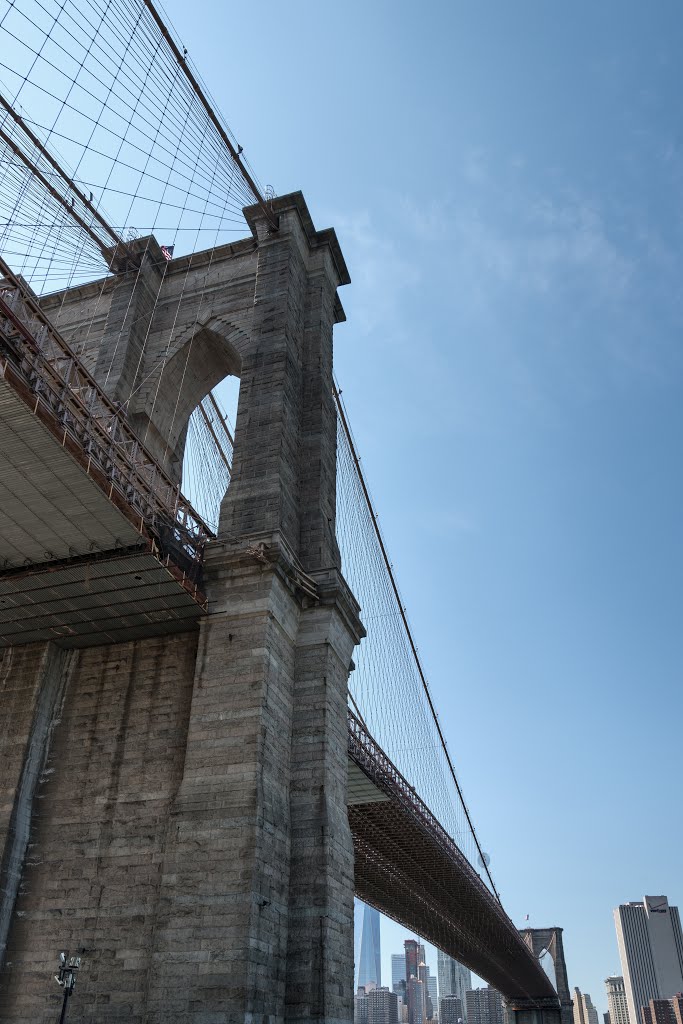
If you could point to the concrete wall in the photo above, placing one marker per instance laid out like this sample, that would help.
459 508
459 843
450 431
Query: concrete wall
191 832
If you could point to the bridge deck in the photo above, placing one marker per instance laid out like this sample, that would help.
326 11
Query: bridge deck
408 867
96 542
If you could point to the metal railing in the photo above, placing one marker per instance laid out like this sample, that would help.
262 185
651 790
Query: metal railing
375 764
93 427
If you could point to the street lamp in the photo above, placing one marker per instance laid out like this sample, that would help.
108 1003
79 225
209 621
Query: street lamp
68 965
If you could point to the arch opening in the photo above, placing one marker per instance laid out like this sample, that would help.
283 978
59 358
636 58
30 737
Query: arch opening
196 363
547 962
208 445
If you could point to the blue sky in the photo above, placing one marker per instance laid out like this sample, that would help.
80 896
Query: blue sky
506 180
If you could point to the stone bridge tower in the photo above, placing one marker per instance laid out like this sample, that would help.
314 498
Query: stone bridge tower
175 805
531 1011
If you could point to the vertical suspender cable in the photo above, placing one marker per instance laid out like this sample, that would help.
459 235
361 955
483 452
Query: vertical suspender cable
404 618
268 213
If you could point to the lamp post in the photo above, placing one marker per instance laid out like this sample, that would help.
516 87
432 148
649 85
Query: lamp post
68 966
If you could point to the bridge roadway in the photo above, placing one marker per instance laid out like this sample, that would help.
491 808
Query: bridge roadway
97 545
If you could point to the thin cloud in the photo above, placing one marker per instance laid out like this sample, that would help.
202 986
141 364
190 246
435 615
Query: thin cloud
381 273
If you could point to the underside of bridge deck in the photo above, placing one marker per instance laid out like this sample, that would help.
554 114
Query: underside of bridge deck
85 557
408 867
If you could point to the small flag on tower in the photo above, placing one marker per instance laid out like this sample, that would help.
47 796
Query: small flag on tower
167 251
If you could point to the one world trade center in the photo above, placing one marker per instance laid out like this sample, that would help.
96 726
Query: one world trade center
367 956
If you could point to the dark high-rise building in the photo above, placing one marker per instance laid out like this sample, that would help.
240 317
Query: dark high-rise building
450 1010
606 1019
484 1006
382 1006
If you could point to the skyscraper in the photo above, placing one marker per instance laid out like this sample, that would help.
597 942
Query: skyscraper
367 947
398 970
416 1000
412 950
454 979
484 1006
616 1000
424 976
433 991
584 1011
651 951
414 994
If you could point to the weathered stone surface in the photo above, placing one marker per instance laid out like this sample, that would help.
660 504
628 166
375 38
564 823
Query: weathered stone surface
92 874
190 833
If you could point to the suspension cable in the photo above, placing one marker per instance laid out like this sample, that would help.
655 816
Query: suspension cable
394 585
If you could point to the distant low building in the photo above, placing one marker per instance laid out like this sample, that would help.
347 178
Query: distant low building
484 1006
657 1011
450 1010
360 1007
663 1011
382 1007
584 1011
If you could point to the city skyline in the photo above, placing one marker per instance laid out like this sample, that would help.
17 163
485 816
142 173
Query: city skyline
652 920
393 936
